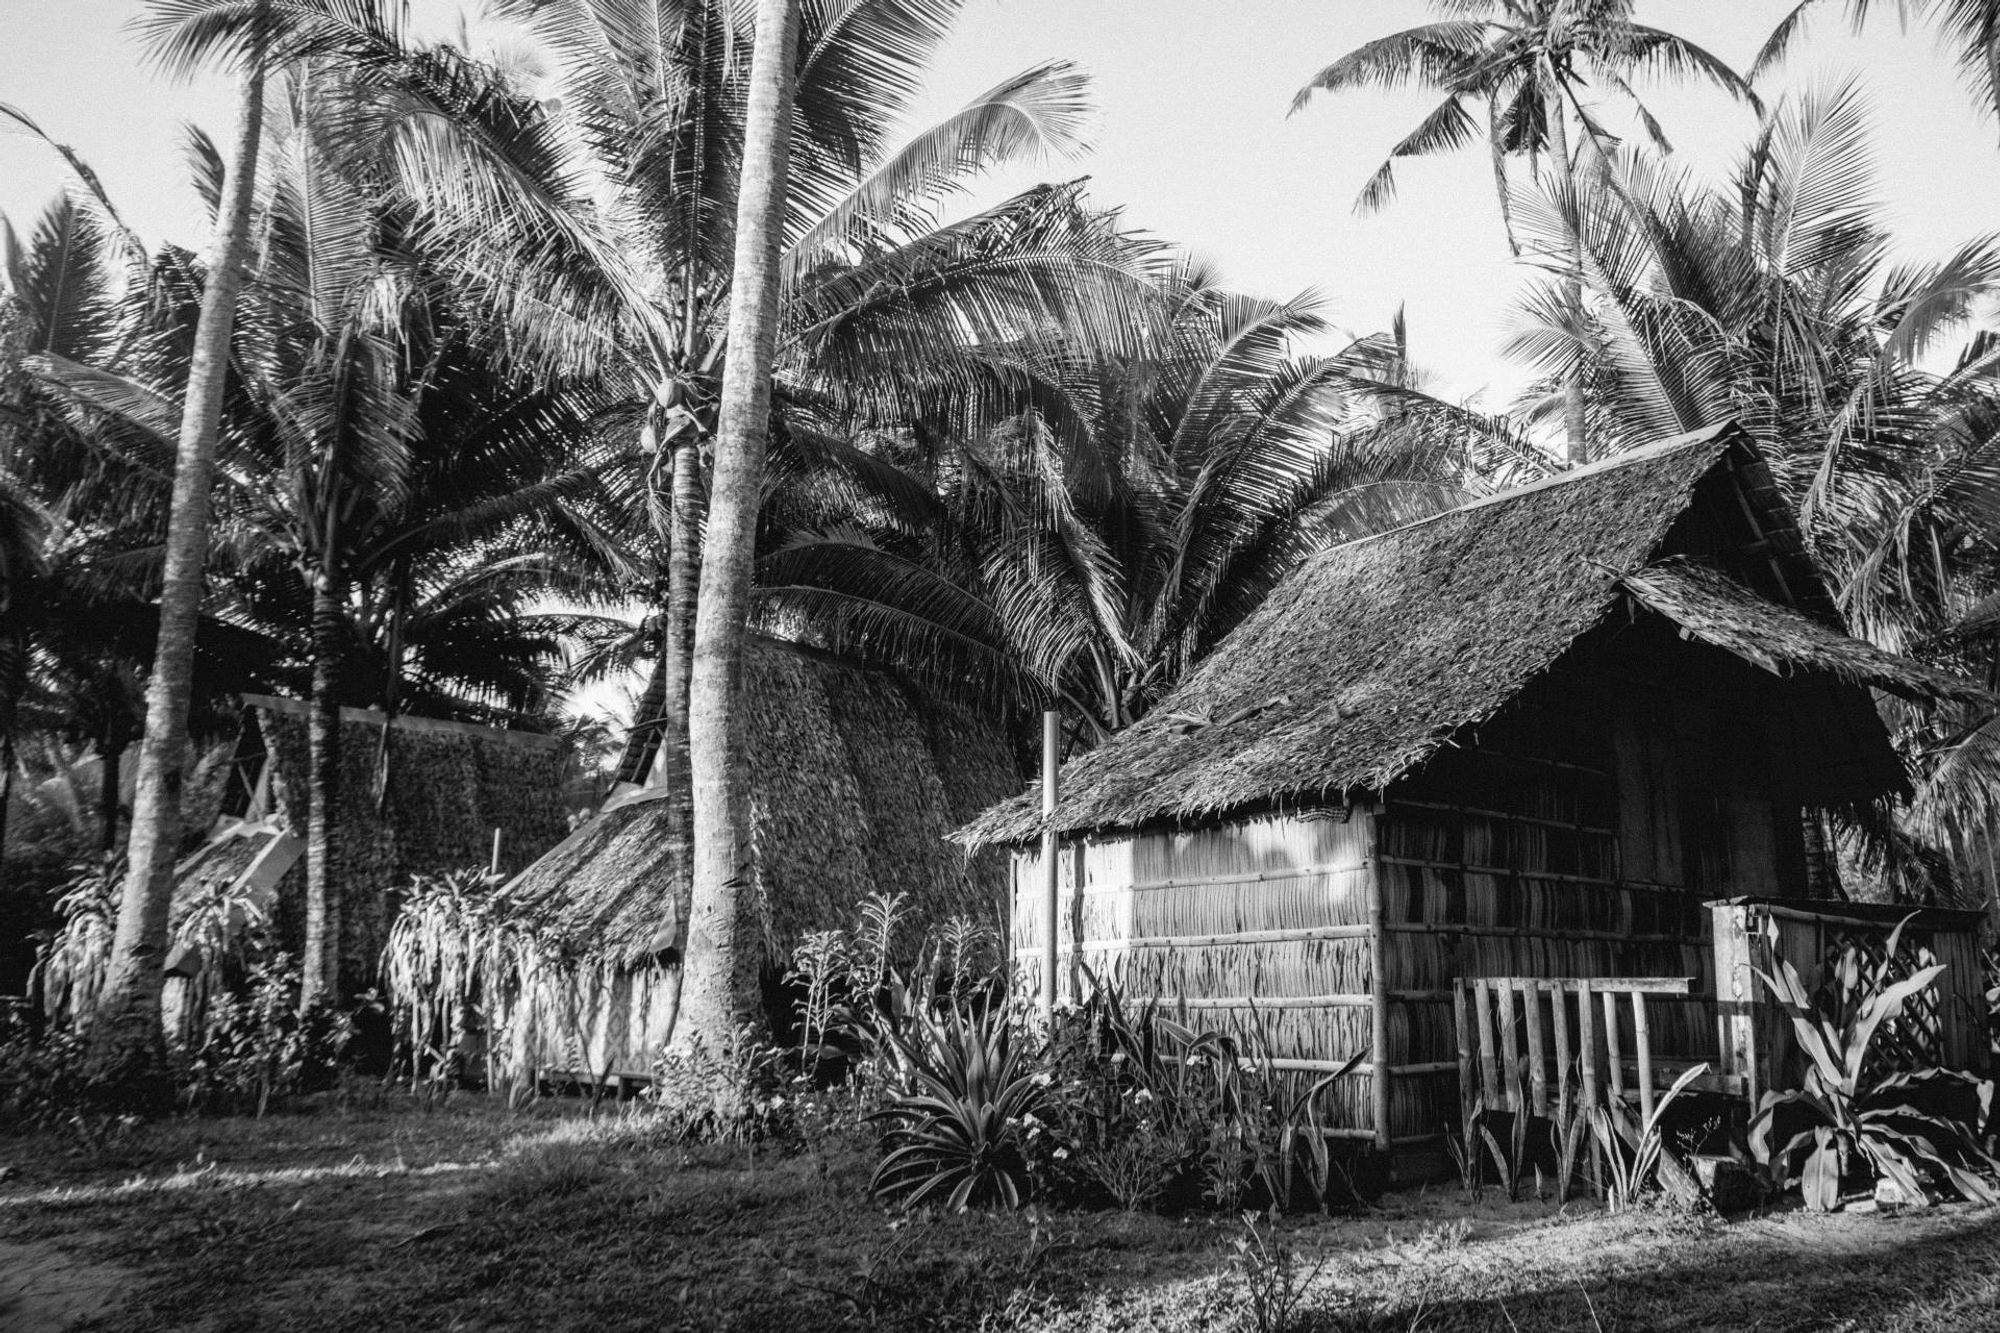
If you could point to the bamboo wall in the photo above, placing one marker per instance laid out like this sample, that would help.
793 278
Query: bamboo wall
1577 836
1258 927
589 1023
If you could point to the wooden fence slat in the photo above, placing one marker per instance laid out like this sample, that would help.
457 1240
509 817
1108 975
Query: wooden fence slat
1466 1040
1613 1048
1489 1061
1559 1011
1538 1075
1586 1022
1643 1042
1510 1049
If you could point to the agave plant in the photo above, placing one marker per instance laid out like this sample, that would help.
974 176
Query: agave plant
1858 1118
1635 1155
954 1129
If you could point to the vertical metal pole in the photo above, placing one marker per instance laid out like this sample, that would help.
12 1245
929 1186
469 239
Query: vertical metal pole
1378 984
1050 911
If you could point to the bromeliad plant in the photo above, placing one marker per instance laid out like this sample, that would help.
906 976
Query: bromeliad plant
1856 1118
955 1127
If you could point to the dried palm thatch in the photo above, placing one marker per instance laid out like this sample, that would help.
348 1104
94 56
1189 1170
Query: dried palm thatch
855 779
1373 655
1716 609
419 796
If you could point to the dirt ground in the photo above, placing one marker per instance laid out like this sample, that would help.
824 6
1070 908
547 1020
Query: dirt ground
371 1213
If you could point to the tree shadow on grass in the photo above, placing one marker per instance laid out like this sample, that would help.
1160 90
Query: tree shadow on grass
573 1228
1783 1274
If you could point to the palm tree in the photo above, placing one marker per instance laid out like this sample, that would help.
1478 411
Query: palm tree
720 972
1089 550
1770 301
1973 26
885 311
1528 62
392 499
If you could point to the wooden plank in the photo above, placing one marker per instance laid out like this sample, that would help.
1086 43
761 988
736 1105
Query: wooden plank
1538 1074
1489 1063
1643 1041
1239 937
1461 1023
1246 876
1614 1056
1510 1049
1666 987
1559 1012
1519 933
1288 1065
1337 999
1586 1022
1586 1042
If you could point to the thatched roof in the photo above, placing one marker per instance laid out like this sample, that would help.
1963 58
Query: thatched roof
855 779
1717 610
417 796
1372 655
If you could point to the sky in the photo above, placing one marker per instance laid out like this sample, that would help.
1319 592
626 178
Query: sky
1194 140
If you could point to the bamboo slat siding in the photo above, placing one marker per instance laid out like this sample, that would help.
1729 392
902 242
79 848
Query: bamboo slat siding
1261 924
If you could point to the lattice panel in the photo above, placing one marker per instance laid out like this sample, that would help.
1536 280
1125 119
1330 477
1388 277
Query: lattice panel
1912 1040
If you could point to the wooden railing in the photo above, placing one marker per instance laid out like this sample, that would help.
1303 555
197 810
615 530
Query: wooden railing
1508 1026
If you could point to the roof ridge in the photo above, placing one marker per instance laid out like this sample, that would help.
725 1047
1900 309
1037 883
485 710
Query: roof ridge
1643 454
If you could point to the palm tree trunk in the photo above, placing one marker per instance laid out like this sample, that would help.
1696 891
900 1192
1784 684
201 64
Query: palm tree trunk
1574 425
6 787
677 659
110 769
319 971
720 969
129 1048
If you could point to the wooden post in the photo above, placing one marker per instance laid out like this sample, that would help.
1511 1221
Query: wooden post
1643 1041
1489 1060
494 870
1559 1011
1614 1055
1538 1076
1586 1024
1510 1049
1051 909
1378 981
1462 1021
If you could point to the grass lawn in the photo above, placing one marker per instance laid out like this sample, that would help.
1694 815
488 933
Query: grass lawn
368 1213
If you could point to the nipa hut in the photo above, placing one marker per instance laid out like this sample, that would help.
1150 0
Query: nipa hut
856 778
1528 738
419 796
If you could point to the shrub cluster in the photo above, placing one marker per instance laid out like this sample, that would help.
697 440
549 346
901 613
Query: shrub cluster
1107 1106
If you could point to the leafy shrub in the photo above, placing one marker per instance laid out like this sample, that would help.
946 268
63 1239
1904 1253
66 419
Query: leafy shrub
77 958
42 1080
1133 1101
257 1048
735 1094
1856 1120
956 1122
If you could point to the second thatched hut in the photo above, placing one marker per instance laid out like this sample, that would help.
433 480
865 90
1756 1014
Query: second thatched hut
856 779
